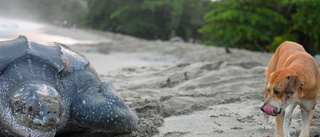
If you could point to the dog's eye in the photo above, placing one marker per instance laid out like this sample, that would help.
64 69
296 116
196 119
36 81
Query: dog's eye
276 92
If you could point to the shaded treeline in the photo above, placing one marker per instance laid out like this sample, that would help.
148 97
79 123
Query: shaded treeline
151 19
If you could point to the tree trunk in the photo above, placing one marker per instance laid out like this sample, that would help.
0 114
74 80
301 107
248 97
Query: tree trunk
172 33
175 19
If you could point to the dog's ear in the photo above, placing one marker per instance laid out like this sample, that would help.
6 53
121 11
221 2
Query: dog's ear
294 82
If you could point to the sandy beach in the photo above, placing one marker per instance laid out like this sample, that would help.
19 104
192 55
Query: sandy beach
176 89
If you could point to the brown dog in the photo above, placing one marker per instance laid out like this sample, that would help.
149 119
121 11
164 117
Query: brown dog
292 79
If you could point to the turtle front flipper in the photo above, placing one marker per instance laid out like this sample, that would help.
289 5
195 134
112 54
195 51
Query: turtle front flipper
97 107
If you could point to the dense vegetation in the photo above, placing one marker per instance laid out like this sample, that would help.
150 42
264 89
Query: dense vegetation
151 19
263 25
245 24
250 24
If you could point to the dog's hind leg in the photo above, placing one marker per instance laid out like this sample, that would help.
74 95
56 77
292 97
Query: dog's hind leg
306 117
287 120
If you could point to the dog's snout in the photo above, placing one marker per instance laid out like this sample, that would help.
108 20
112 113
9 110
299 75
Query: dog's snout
261 108
277 111
271 110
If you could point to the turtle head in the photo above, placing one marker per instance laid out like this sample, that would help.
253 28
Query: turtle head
37 106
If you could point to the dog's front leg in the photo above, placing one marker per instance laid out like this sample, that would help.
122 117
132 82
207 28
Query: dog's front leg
279 124
287 120
266 123
306 117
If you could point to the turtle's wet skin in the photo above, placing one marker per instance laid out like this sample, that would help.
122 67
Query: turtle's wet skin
47 89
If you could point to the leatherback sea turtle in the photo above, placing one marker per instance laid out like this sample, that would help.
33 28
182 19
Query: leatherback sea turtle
47 89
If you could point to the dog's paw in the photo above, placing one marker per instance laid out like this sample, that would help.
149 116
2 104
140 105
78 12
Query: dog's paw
266 126
287 133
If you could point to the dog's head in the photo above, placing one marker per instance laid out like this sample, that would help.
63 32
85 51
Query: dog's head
283 88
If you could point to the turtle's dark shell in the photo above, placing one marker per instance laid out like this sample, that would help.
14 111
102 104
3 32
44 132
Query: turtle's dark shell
47 89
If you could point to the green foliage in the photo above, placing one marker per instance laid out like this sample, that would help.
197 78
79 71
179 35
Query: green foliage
263 25
245 24
306 24
150 19
280 39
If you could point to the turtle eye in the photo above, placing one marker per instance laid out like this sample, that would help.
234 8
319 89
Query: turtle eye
276 92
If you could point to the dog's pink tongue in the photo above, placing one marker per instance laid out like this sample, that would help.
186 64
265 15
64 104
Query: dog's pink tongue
268 109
